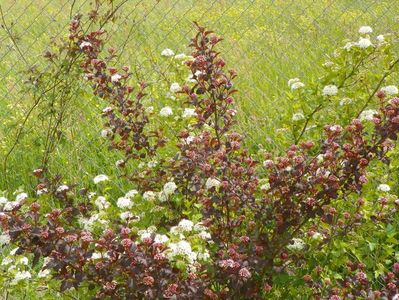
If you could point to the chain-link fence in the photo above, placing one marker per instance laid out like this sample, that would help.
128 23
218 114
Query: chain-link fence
267 41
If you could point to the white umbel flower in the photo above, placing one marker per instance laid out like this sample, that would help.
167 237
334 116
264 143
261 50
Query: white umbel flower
330 90
62 188
24 261
190 139
175 87
205 235
6 261
149 109
22 275
124 203
348 46
166 111
384 187
181 56
186 225
345 101
126 215
365 30
106 133
364 43
167 52
297 86
180 248
380 38
161 239
115 78
9 206
107 109
101 203
292 81
297 117
4 239
43 273
149 195
297 245
3 200
390 90
131 193
317 236
119 163
367 115
265 187
20 198
212 182
188 113
100 178
84 44
169 188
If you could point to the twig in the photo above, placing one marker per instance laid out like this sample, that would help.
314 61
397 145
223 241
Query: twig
11 36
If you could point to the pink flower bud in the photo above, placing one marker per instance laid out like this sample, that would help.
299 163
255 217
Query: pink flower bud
244 273
126 243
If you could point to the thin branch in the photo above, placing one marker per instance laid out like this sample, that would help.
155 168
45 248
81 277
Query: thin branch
9 33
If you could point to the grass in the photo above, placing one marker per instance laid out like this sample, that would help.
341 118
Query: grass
268 42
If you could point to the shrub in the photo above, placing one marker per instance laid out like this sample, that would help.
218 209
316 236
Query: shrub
236 223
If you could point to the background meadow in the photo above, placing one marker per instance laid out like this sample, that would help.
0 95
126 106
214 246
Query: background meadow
268 42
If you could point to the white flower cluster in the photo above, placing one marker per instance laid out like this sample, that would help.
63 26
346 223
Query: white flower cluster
367 115
365 30
161 239
384 187
181 56
149 195
115 78
178 245
166 111
16 267
295 84
21 275
62 188
297 117
345 101
101 203
188 113
4 239
330 90
175 87
297 245
380 39
265 186
168 189
147 233
106 133
167 52
390 90
20 199
100 178
212 183
364 43
95 219
128 215
124 203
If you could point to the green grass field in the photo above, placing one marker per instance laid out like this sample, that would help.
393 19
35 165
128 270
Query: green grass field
268 42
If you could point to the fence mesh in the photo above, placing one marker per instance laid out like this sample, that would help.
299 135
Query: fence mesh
267 41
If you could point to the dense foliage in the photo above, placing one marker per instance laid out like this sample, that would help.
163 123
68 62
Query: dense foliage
207 216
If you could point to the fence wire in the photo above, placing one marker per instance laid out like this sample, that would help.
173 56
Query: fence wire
267 41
